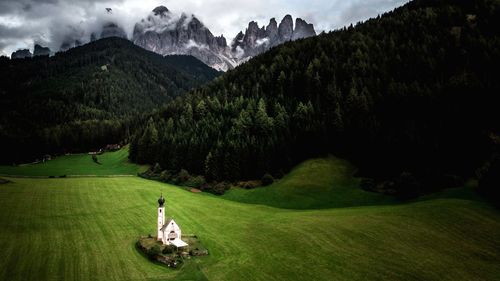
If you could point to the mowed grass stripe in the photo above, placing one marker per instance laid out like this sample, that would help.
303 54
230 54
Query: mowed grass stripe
85 229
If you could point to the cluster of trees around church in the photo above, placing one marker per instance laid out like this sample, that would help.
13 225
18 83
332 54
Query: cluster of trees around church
408 95
87 97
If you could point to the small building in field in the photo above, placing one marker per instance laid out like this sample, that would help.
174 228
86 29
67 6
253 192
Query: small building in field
112 147
169 233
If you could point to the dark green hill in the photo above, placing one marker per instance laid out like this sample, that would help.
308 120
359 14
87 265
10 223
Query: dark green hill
409 95
88 96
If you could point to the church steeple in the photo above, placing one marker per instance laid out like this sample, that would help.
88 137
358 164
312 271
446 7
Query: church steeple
161 216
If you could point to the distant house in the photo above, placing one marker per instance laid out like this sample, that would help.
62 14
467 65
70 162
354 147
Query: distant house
169 233
112 147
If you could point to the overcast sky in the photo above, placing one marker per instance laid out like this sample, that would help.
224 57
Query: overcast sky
25 22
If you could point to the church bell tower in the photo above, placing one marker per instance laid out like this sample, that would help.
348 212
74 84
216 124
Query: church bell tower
161 216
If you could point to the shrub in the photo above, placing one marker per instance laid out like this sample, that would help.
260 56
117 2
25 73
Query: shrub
367 184
166 176
156 168
195 182
249 184
407 186
489 181
451 181
168 249
246 185
215 188
183 176
267 179
386 187
154 251
220 188
206 187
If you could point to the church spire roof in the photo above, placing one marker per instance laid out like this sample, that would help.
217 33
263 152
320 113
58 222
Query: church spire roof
161 201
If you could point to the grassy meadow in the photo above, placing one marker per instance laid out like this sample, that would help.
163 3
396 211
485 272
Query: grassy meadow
85 229
314 184
110 163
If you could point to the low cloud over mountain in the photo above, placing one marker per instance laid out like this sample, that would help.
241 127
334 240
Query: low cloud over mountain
51 23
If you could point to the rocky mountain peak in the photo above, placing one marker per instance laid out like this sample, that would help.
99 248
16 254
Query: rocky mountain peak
221 41
254 32
237 42
161 11
21 54
273 25
195 23
257 39
41 51
303 29
166 33
240 35
111 29
252 26
272 22
285 29
272 30
69 43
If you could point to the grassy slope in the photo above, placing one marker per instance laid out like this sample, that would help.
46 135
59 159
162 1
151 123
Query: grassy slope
316 183
112 163
85 228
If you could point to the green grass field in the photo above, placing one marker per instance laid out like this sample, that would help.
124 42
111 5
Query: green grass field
111 163
85 229
314 184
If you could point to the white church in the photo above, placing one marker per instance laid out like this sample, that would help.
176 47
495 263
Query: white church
169 233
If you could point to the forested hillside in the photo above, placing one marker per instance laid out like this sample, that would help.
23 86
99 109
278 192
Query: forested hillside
408 95
86 97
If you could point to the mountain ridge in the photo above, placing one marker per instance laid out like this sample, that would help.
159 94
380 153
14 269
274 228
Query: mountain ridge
88 96
168 33
257 40
165 32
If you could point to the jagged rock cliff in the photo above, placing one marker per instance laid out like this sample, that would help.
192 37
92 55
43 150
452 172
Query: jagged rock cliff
21 54
257 40
168 33
41 51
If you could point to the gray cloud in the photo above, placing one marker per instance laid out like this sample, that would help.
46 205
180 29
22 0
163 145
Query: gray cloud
50 22
359 10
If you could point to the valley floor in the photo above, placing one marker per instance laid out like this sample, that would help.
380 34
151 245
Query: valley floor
85 229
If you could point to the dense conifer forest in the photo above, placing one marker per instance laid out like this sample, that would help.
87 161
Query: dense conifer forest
407 96
86 97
